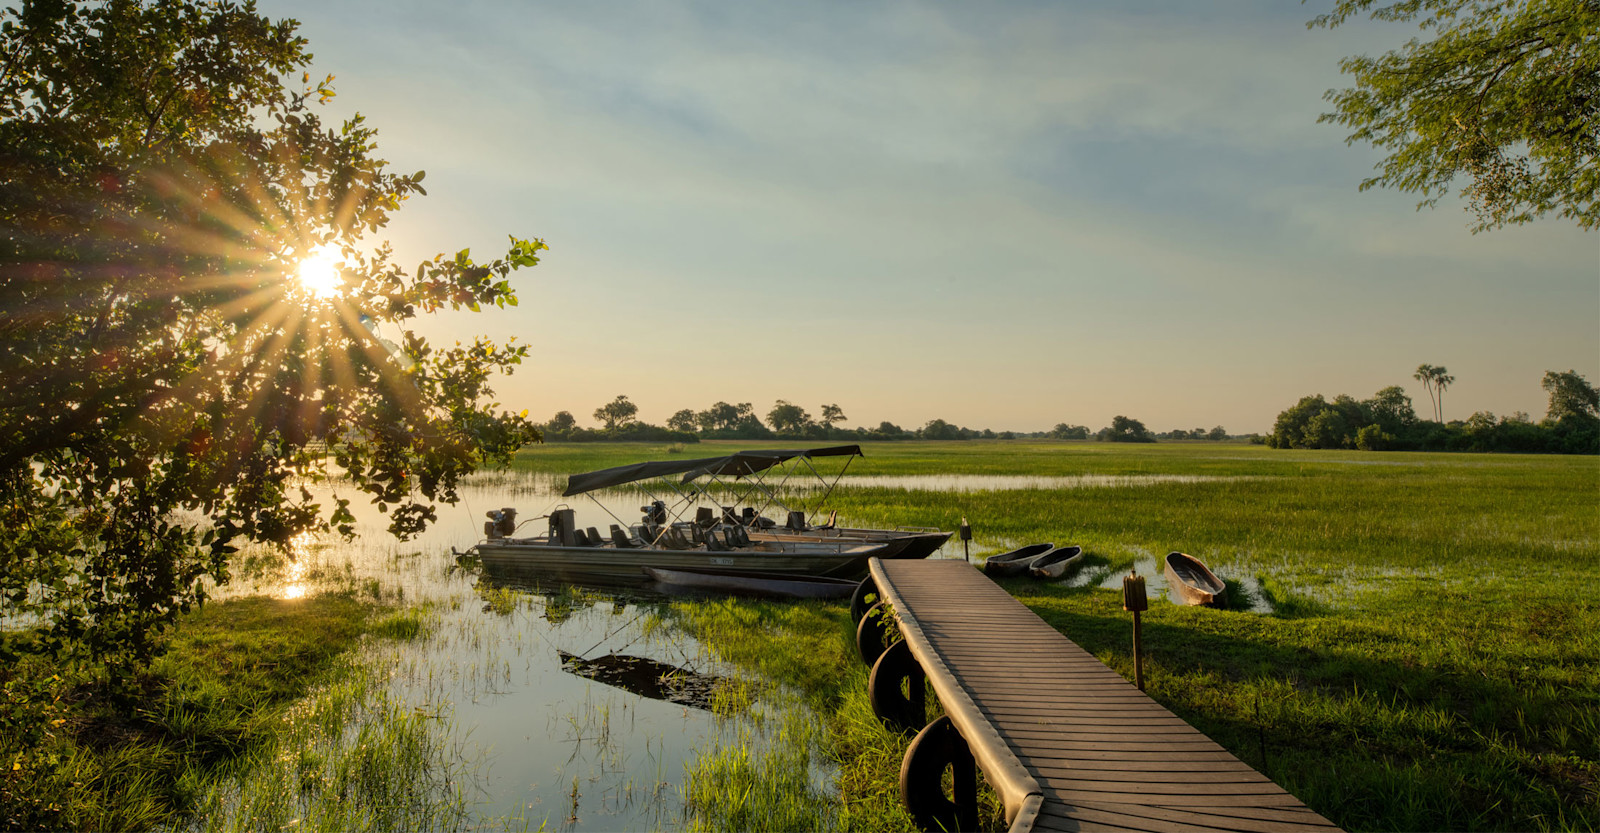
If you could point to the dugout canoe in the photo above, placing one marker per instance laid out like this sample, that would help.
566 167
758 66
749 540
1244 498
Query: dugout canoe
1016 562
1190 582
1056 563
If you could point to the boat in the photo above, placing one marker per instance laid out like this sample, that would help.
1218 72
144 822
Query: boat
567 553
723 490
1056 563
774 585
1016 562
1189 582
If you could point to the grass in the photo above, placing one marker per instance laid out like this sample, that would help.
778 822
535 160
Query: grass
77 760
1429 662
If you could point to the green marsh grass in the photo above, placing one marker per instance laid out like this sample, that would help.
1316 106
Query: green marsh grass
1429 661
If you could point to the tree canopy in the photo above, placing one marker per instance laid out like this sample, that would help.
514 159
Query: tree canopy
1506 94
168 385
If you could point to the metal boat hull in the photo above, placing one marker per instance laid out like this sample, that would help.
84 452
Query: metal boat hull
538 558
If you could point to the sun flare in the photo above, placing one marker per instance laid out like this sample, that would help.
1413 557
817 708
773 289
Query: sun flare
319 274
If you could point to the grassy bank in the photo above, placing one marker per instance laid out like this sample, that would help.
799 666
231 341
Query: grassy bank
1429 659
74 759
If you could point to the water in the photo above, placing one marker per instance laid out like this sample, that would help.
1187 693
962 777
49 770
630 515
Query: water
526 679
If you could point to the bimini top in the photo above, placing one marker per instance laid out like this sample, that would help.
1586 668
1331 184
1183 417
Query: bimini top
742 463
737 464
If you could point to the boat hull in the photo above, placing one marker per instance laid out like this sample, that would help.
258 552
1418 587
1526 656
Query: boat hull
1190 582
1015 562
1056 563
537 558
775 585
913 544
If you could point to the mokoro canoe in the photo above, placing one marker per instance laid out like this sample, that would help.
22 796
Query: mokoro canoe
1016 562
1189 582
773 585
1056 563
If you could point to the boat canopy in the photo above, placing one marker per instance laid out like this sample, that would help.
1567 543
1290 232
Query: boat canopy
618 475
738 464
744 463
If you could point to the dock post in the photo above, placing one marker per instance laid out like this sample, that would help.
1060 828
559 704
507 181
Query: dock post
1133 598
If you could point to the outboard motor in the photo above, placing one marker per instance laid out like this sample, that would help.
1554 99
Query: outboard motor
502 522
563 527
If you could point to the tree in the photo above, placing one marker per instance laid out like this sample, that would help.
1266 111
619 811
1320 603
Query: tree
787 417
1217 433
1390 409
168 383
1126 430
1434 380
1572 398
616 413
938 429
831 414
1063 431
1506 94
720 416
561 423
683 420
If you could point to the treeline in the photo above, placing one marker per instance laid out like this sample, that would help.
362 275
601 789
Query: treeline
1387 421
722 421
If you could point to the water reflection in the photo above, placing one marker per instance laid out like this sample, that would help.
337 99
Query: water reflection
645 677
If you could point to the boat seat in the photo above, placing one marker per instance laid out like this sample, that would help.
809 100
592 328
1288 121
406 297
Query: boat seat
622 540
737 537
715 542
580 538
594 538
673 539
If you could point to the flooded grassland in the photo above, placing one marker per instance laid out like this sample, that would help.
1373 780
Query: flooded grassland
1410 644
1412 638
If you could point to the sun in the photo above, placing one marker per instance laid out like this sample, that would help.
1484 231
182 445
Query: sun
319 274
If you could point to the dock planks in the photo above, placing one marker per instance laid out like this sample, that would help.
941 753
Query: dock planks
1067 742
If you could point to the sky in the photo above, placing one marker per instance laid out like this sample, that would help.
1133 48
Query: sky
1004 216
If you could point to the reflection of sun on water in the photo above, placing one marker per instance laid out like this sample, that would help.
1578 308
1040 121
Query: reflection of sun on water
294 586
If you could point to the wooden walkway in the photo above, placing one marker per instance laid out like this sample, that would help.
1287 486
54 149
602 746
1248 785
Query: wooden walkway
1067 742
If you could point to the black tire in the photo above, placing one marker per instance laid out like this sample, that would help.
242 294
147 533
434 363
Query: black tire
870 633
936 747
859 603
900 712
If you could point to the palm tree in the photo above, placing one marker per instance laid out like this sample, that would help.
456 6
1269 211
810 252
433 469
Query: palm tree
1434 380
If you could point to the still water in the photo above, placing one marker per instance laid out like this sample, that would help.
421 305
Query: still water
552 696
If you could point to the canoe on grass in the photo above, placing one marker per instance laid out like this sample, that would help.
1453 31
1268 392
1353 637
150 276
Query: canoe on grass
772 585
1016 562
1056 563
1191 583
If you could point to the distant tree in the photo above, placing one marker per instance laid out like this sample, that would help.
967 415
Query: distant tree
1505 94
616 413
1390 409
831 415
1063 431
787 417
1373 438
1007 435
889 430
1573 417
1217 433
938 429
1434 380
683 420
718 417
1571 397
562 422
1126 430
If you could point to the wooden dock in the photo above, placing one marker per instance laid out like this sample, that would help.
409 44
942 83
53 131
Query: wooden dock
1066 742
